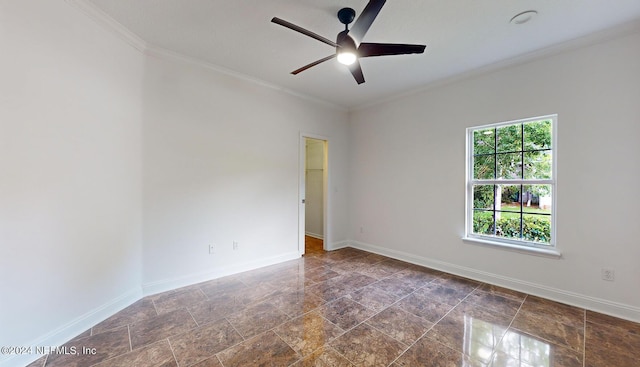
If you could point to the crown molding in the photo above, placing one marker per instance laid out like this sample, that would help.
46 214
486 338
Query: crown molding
165 54
595 38
122 32
108 23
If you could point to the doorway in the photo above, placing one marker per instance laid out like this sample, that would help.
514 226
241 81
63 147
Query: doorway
313 194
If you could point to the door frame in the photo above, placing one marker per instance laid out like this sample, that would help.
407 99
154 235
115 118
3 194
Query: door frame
301 190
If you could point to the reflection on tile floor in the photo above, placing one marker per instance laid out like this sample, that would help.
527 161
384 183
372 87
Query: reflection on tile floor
353 308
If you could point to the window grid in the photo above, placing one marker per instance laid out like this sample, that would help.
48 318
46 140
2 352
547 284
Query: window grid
521 182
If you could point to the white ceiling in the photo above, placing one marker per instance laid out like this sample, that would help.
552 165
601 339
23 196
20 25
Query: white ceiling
461 35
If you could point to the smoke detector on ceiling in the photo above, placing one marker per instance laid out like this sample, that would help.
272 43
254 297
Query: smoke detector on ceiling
523 17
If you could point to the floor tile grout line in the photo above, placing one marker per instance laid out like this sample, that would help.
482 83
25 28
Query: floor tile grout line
493 352
236 330
172 335
584 340
490 309
173 353
300 355
334 324
218 358
378 312
444 345
297 317
370 284
120 355
242 341
325 345
130 342
154 307
345 357
385 334
434 325
204 294
193 318
340 354
545 339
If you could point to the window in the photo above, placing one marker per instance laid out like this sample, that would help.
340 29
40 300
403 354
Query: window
511 183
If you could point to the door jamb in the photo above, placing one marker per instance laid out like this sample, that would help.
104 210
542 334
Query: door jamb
301 190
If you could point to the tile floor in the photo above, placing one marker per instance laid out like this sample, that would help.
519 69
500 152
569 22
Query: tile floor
353 308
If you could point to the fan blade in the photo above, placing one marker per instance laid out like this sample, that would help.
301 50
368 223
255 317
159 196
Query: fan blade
356 71
383 49
366 18
296 72
296 28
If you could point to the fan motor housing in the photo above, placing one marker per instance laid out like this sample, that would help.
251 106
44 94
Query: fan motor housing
345 41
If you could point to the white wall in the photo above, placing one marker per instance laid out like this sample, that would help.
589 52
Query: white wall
314 187
407 177
221 161
88 125
70 173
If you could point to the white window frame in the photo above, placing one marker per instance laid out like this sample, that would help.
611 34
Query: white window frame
509 243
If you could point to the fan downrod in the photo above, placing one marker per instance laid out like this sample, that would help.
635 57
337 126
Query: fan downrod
346 16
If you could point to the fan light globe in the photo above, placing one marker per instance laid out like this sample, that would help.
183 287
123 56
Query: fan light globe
346 58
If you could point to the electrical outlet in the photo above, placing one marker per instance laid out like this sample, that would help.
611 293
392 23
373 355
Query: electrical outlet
235 245
608 274
211 249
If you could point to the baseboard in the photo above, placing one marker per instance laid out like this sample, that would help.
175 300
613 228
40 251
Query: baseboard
337 245
616 309
77 326
190 279
314 235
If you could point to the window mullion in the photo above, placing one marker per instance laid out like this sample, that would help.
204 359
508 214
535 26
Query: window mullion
521 176
513 182
495 176
521 212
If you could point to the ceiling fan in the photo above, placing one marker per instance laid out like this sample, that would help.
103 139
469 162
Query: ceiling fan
349 45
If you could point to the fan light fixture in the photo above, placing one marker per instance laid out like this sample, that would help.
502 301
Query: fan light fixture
346 58
349 47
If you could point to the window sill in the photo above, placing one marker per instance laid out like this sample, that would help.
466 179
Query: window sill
536 251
